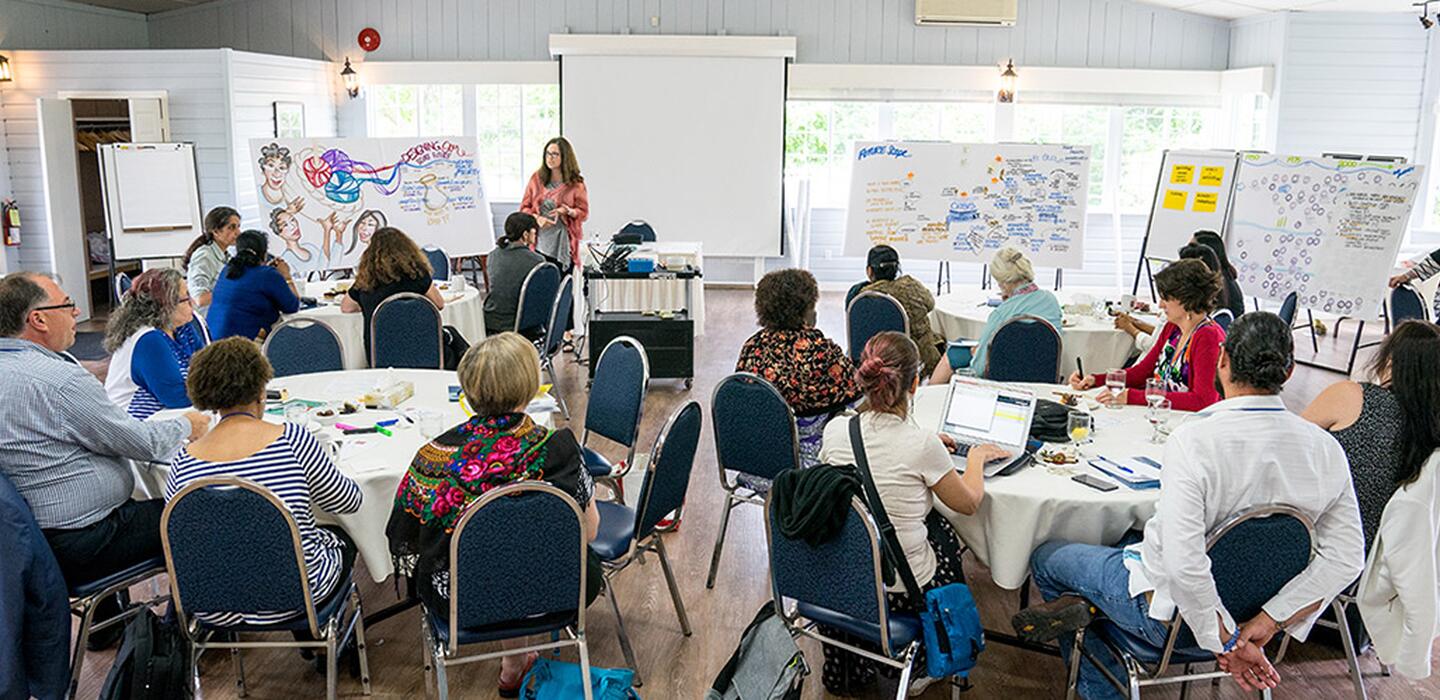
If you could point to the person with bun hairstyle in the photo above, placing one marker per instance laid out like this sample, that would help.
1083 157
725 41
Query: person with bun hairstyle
208 253
1020 296
513 258
882 267
1186 349
912 468
254 290
1231 297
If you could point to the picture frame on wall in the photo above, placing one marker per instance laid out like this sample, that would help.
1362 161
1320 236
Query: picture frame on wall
289 120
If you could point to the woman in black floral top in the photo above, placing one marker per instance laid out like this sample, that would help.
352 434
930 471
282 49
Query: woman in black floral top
811 371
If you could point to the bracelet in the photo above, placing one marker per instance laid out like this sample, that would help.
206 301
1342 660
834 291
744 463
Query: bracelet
1230 645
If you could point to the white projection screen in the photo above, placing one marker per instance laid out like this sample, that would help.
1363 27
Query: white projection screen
694 145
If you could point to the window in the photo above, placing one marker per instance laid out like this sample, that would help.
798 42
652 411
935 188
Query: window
962 122
1073 125
1147 133
819 137
512 123
416 110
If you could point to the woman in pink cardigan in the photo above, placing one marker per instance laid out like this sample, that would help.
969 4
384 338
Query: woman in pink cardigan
556 197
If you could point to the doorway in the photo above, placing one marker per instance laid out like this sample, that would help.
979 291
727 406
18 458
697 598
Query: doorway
98 122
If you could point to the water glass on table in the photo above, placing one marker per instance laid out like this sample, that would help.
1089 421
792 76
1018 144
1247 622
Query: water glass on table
1154 390
1158 413
1115 383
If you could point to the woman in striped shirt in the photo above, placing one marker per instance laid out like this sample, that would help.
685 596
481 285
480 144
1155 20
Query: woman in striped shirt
151 341
229 378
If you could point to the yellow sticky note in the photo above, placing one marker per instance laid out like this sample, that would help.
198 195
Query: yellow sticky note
1175 199
1206 202
1182 174
1212 175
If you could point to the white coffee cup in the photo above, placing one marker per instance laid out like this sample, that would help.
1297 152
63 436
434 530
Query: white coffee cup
457 283
1127 301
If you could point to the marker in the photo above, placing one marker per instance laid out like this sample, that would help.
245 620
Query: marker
386 432
346 426
388 423
361 431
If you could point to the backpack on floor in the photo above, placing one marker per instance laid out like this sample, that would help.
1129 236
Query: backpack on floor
549 679
153 662
767 665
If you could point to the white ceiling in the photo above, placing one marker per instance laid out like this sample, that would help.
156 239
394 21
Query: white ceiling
143 6
1232 9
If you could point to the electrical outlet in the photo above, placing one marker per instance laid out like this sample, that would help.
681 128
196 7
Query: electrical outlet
655 20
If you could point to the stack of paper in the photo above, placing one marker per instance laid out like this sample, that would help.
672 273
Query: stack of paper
1135 472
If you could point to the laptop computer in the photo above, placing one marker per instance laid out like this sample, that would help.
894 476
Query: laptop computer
979 412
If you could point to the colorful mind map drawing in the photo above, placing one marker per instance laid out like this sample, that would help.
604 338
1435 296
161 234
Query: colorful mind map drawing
324 198
966 201
1327 230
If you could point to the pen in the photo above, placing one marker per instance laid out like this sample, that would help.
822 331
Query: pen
1080 367
1121 467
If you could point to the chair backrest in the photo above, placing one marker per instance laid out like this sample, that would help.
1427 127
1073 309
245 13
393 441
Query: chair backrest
617 393
122 285
1406 304
641 227
202 328
537 297
559 314
871 313
401 330
841 575
304 346
1024 349
1223 317
439 262
748 414
668 478
1287 308
489 554
204 550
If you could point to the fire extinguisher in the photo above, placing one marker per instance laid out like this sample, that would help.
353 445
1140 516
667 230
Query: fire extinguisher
10 222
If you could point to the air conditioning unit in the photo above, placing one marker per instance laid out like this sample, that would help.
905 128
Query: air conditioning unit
981 13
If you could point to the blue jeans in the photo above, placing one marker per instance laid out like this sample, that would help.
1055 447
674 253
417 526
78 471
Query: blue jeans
1097 574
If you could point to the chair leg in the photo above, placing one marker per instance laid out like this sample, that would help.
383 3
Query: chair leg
1343 627
674 588
903 688
1314 344
77 659
720 539
427 657
550 369
1072 685
239 672
584 664
620 632
1185 685
360 640
331 665
1132 675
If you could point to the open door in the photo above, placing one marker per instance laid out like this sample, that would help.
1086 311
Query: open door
148 123
60 170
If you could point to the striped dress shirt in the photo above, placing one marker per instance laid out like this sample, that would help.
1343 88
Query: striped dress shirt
300 473
64 444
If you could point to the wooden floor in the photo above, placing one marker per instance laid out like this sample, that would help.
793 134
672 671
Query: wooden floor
675 666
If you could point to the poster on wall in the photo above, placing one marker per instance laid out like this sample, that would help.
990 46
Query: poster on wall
1323 228
964 201
322 199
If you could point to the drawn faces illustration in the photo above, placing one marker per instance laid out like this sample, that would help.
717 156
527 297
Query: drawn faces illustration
285 225
275 165
366 225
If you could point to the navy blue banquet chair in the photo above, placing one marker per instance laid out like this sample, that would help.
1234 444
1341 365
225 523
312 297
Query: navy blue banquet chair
217 568
1406 304
554 337
617 402
488 555
626 534
869 314
1287 309
1223 317
439 262
1024 349
839 584
537 300
303 346
122 286
1253 555
638 227
755 437
406 331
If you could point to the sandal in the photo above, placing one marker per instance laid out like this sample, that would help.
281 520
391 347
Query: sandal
512 689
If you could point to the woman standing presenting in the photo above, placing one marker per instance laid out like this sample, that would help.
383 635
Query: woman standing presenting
557 198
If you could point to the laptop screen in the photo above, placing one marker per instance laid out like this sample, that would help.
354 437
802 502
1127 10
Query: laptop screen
988 413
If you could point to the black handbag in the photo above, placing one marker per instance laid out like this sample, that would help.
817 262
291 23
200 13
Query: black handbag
1051 421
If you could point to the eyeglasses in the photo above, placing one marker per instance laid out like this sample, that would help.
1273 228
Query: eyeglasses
185 300
69 304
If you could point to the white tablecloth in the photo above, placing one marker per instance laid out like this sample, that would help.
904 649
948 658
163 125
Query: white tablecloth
963 314
647 295
463 310
1036 504
374 461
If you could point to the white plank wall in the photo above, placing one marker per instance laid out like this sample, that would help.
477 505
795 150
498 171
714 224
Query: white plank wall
1097 33
57 24
1258 40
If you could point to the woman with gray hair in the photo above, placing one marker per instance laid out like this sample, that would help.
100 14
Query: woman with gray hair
1020 296
151 341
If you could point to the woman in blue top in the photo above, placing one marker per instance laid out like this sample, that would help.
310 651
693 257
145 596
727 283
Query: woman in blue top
252 294
151 341
1015 276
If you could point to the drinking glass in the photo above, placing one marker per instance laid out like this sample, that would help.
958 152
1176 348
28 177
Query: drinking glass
1115 382
1079 427
1154 390
1158 414
297 413
432 423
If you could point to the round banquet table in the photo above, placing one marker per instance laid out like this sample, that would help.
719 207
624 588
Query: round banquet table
1041 503
464 310
963 314
374 461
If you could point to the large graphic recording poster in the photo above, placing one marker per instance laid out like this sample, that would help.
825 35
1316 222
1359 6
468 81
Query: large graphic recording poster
322 199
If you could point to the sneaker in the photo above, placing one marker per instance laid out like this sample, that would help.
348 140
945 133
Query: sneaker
919 685
1047 621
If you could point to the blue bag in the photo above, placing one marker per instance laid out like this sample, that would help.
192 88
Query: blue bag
549 679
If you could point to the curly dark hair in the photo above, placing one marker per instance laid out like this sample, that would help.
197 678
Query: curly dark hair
1261 350
1191 283
228 373
785 299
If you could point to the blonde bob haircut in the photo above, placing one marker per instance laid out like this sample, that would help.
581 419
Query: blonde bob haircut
500 374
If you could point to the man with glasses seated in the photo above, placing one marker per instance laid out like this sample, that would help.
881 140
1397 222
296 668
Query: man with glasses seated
1243 452
63 444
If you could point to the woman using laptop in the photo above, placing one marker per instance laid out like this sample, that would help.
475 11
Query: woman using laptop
911 466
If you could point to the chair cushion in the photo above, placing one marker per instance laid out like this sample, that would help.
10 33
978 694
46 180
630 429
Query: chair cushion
1185 650
904 628
596 463
617 530
334 604
139 572
506 630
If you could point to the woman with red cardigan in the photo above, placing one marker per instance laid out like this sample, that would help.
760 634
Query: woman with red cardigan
556 197
1187 348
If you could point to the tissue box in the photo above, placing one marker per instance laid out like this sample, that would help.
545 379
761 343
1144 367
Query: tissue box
389 396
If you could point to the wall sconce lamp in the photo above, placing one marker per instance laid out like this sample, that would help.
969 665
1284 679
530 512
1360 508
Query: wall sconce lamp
1007 83
351 78
5 74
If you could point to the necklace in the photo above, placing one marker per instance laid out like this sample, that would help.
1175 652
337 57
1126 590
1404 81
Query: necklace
239 413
